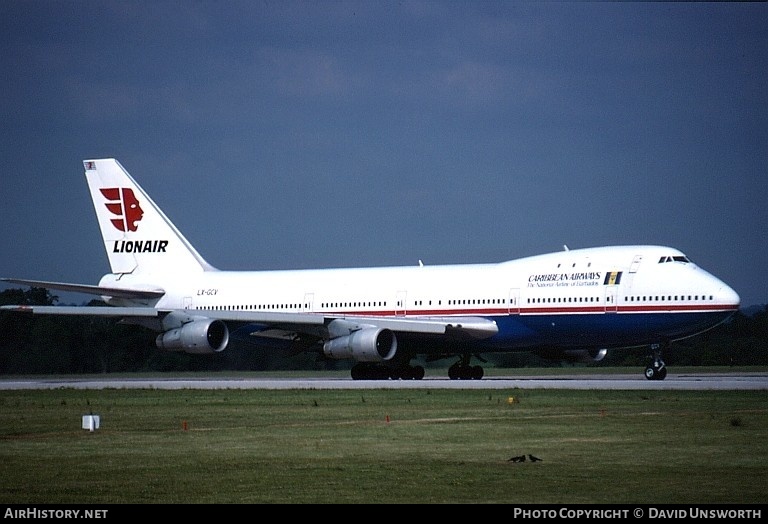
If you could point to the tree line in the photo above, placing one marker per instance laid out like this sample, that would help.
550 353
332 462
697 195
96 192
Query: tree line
53 344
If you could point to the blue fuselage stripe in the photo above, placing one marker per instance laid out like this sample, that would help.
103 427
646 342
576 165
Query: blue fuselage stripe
579 330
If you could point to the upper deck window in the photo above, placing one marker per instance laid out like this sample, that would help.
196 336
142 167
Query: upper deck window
678 258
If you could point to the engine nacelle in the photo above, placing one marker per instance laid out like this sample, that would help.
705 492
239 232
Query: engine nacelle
587 356
364 345
202 336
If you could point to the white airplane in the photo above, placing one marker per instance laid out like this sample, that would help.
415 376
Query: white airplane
574 304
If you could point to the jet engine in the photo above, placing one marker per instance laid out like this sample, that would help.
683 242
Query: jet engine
199 336
365 345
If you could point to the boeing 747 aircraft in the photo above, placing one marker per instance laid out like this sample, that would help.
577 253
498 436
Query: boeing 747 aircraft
574 304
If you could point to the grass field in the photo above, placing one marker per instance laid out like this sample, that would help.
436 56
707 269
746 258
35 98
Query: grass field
383 446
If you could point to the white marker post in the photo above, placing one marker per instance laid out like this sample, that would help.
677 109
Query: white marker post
91 422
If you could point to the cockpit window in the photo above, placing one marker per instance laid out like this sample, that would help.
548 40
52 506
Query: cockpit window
679 258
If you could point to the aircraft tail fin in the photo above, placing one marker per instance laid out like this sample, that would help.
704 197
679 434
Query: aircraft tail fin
137 235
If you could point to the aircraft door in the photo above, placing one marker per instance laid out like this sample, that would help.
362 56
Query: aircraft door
400 304
514 301
308 305
611 305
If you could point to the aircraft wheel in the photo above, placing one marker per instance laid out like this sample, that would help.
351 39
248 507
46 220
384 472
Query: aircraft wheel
656 372
418 372
477 372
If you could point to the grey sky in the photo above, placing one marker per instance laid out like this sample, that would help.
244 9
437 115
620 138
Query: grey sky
334 134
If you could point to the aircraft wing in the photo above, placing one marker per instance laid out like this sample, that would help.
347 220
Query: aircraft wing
280 324
91 290
476 327
100 311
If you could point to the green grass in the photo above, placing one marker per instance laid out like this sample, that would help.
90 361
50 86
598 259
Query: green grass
383 446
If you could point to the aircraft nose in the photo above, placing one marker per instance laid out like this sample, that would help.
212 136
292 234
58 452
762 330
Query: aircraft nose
727 295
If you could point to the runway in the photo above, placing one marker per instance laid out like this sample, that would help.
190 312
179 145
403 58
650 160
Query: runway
690 381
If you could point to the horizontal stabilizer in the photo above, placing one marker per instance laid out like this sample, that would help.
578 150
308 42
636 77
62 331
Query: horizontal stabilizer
88 289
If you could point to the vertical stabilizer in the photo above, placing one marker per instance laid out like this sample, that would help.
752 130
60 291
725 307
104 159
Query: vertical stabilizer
138 237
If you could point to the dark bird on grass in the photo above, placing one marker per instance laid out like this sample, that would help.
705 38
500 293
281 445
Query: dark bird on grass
534 459
519 458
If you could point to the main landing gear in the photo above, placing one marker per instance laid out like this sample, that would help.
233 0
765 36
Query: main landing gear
656 370
462 370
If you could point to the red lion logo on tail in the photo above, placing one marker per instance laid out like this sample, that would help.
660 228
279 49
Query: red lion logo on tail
124 204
